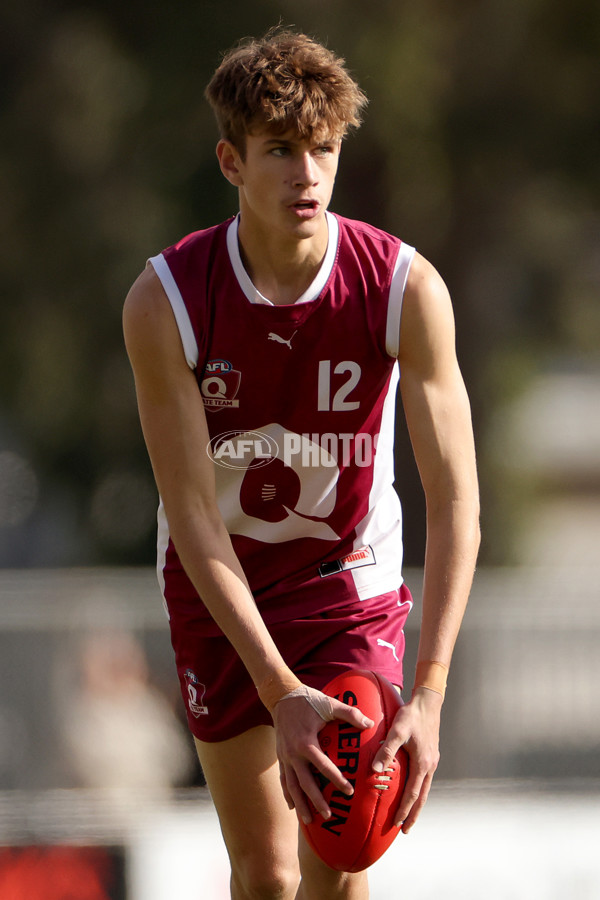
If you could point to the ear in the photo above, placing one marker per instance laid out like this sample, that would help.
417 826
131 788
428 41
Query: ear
230 162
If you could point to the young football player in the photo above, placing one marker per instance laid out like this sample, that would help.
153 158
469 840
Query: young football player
266 352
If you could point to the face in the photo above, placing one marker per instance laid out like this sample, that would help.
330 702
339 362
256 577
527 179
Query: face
285 182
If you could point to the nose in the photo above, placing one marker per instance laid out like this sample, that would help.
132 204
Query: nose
305 174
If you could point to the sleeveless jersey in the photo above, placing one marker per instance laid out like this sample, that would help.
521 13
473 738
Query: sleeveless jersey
300 403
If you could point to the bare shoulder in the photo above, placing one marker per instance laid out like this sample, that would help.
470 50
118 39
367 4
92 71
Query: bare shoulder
145 302
425 287
427 324
152 339
148 322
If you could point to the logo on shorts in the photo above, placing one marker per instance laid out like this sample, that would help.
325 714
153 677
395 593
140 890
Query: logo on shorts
390 646
196 691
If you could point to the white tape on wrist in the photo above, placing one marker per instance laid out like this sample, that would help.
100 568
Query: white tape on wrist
320 702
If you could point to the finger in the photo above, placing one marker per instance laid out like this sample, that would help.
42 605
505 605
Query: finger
330 771
350 714
415 811
298 797
311 790
410 797
388 750
284 788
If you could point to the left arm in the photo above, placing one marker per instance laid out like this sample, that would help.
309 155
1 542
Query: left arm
439 421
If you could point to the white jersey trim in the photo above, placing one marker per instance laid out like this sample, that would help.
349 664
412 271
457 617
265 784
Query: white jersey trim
188 339
314 289
392 332
381 528
162 543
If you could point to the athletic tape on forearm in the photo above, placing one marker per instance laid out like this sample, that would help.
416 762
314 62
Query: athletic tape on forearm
277 686
432 675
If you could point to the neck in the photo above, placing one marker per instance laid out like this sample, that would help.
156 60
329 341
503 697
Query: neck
280 267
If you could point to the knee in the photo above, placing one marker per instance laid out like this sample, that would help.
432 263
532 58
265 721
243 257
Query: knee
261 878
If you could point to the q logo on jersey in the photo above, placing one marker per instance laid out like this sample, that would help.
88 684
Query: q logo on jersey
220 385
266 493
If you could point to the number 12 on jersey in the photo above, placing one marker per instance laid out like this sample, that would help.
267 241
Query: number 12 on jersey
338 402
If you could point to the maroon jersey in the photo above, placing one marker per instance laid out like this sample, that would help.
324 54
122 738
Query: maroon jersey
300 402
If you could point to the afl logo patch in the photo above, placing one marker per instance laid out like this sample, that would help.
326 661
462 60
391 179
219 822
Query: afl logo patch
220 385
195 695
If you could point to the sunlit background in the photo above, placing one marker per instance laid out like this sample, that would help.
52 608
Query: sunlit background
481 147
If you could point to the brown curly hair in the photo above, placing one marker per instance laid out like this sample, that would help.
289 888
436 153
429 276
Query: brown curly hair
284 82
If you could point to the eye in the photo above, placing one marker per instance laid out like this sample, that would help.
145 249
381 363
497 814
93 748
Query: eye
324 150
279 151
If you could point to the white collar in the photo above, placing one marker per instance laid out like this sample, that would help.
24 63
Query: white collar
314 289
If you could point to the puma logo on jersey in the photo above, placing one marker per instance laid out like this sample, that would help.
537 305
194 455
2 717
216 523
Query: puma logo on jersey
280 340
392 647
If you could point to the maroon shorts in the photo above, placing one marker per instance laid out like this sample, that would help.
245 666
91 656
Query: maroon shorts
219 695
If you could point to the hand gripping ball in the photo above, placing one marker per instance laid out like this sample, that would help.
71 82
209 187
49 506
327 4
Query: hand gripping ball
361 827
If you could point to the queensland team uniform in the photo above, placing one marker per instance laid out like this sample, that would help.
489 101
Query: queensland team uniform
299 402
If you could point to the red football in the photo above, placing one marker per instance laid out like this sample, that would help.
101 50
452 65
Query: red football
361 827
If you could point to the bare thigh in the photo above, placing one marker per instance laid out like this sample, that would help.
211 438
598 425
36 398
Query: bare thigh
319 881
259 830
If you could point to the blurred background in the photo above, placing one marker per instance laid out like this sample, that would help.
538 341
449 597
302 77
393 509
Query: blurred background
481 147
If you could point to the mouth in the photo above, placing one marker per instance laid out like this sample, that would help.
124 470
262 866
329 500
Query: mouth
305 209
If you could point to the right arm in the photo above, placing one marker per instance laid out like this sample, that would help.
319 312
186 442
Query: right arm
176 434
174 426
